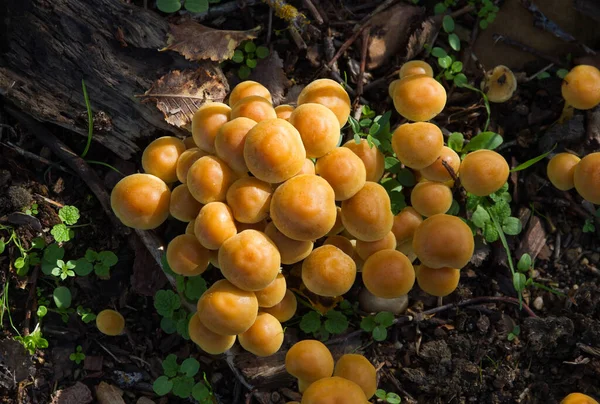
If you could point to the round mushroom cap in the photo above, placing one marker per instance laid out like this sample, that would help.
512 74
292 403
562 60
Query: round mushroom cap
273 293
160 157
248 88
444 241
581 87
391 87
388 274
291 250
230 141
318 127
183 206
365 249
110 322
344 171
415 67
338 227
499 84
214 225
274 151
359 370
207 340
368 214
250 199
561 170
418 144
206 122
265 336
187 158
141 201
249 260
189 229
254 107
330 94
431 198
436 170
419 97
209 178
284 111
309 360
405 224
371 157
186 256
303 208
587 178
189 143
342 243
578 398
438 282
227 310
328 271
285 309
334 390
483 172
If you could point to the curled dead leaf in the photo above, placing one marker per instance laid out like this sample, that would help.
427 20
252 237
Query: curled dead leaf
179 94
197 42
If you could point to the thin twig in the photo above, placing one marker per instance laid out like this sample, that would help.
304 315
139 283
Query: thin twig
48 200
526 48
229 356
269 26
346 45
33 156
30 298
363 61
534 75
313 10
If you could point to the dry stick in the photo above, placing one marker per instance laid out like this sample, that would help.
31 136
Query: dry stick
346 45
526 48
363 62
33 283
33 156
269 26
313 10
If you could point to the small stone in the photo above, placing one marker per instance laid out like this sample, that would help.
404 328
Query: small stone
538 303
584 261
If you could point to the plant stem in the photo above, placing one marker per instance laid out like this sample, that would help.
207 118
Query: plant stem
90 119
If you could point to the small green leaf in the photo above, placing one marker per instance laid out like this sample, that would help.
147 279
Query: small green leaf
249 47
454 41
519 281
524 263
456 141
244 72
336 322
2 245
69 214
438 52
380 393
190 367
368 323
480 217
19 262
512 226
195 287
200 392
262 52
406 177
542 75
83 267
37 243
392 164
196 6
251 63
182 386
532 161
170 366
162 386
483 24
238 56
62 297
439 8
311 322
588 226
448 23
88 317
166 302
561 73
101 270
385 318
379 333
393 398
108 258
61 233
454 208
42 311
445 61
490 233
456 67
354 124
484 140
460 80
168 325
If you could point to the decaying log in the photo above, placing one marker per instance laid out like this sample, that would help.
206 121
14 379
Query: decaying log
48 47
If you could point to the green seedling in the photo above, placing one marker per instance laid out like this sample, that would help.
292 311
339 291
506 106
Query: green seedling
378 324
390 398
247 55
78 356
86 314
322 326
63 232
174 317
193 6
32 210
514 333
27 257
180 380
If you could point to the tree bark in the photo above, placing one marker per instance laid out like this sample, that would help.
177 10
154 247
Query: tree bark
48 46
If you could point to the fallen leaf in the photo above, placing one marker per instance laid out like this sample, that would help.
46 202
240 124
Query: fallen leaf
390 31
196 41
109 394
269 72
179 94
419 38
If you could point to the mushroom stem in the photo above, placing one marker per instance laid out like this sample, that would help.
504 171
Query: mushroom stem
439 301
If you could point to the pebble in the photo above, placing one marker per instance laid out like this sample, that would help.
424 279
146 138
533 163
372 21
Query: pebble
538 303
584 261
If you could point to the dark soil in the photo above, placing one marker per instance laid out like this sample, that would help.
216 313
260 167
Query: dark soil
466 354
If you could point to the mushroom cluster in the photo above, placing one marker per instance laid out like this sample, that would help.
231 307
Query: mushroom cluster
567 171
352 379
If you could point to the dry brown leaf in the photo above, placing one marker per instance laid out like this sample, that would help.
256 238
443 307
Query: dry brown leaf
109 394
197 42
179 94
269 72
419 38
